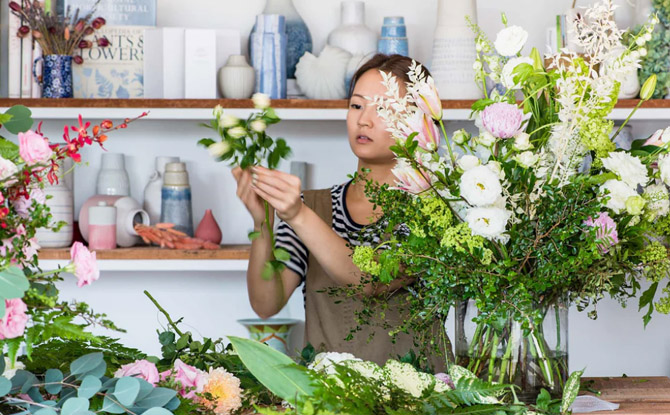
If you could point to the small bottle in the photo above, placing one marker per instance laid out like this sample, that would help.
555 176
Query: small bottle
102 226
176 198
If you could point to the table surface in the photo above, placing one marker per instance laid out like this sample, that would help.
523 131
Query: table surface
635 395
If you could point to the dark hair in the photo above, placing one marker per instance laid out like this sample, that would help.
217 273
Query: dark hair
397 65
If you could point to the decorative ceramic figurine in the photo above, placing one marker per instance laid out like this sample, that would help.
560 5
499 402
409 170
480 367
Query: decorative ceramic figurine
394 37
113 178
176 198
267 44
152 192
323 77
128 213
237 78
274 332
208 229
352 34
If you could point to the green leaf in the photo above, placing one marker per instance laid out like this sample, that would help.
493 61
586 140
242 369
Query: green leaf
13 283
126 391
98 371
145 389
647 299
157 411
268 271
254 235
4 118
183 341
8 150
281 254
166 337
5 386
2 356
570 390
206 142
157 397
89 387
74 405
53 379
273 369
173 404
108 405
46 411
21 119
86 363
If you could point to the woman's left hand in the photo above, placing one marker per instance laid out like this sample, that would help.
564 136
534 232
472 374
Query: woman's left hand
279 189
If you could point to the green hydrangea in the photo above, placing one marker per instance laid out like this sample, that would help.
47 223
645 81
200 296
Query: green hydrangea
364 259
662 225
657 263
663 304
437 212
461 239
595 135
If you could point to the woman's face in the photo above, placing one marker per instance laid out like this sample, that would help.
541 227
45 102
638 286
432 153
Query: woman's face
368 137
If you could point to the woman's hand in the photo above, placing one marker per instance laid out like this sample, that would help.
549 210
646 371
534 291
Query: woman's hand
281 190
248 196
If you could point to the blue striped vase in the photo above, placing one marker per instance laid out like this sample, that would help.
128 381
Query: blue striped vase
267 44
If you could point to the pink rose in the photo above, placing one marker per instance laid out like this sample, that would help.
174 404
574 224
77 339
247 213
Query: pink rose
428 135
502 120
192 379
14 322
33 148
143 369
605 231
22 205
85 265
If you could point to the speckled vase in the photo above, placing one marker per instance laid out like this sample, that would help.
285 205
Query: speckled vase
299 40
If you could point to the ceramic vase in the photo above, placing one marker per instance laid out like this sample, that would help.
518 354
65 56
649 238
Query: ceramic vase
56 76
394 37
352 34
267 45
630 83
60 200
237 78
208 229
152 191
454 50
128 213
101 226
323 77
274 332
624 14
113 179
299 39
176 198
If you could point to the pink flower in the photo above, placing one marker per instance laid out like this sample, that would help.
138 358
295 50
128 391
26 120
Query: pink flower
14 322
428 136
22 205
192 379
85 265
30 248
410 179
606 231
428 100
659 138
33 148
503 120
142 369
7 169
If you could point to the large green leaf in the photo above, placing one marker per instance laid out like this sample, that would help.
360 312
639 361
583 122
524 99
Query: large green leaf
273 369
570 390
8 150
21 120
13 283
86 363
126 391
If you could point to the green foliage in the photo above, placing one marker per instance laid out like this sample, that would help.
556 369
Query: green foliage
13 284
20 121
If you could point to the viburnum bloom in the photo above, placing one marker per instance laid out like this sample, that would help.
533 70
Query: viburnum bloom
191 378
7 169
488 222
428 100
502 119
14 322
658 200
34 148
225 391
659 138
480 186
618 193
428 136
143 369
605 231
410 179
84 263
510 40
629 168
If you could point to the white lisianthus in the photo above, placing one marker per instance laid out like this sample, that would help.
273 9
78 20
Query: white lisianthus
510 40
218 149
7 168
324 362
629 168
618 192
527 159
261 101
237 132
218 111
488 222
468 161
229 121
461 136
486 138
522 142
11 371
658 201
496 168
480 186
664 167
405 377
508 71
258 126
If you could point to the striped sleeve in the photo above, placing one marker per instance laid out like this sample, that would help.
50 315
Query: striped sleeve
286 238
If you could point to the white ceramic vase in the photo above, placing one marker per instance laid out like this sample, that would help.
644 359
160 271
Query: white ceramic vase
152 191
237 78
454 50
352 34
113 179
60 200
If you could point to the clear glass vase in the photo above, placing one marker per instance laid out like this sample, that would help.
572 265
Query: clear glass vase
532 359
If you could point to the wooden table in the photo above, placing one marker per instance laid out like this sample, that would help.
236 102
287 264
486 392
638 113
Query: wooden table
635 395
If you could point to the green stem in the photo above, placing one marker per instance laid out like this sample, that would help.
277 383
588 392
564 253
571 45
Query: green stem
506 358
639 104
446 138
493 356
542 360
165 313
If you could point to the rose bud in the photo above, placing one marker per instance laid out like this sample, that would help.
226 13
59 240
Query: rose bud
103 42
79 27
23 31
14 6
98 22
88 31
83 44
78 59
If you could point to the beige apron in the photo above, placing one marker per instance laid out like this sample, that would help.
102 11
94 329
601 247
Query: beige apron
329 320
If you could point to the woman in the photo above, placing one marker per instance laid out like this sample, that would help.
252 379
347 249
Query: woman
316 231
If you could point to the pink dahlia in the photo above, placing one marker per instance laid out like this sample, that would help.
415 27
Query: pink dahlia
503 120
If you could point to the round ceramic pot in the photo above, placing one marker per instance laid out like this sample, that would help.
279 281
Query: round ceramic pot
274 332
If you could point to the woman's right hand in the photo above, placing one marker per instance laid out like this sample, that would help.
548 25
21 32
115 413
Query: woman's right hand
248 196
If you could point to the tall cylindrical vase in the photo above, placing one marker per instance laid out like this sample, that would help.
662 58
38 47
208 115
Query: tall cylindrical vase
267 44
152 192
454 50
176 198
60 201
299 40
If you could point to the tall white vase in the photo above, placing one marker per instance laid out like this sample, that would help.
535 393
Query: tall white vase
454 50
113 179
152 192
352 34
60 201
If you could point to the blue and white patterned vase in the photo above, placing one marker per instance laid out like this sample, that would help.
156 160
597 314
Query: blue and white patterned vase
57 76
394 37
267 47
299 37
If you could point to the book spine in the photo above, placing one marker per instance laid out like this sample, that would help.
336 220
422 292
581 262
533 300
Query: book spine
36 87
27 66
14 57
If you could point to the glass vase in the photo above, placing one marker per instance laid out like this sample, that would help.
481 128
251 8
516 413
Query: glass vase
533 358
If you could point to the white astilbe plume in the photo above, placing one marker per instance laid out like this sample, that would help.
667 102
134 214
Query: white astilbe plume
596 31
392 108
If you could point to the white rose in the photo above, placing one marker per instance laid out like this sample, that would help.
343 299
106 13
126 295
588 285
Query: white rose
258 126
629 168
11 371
527 159
619 192
496 168
510 40
7 168
468 161
461 136
508 71
218 149
237 132
489 223
480 186
522 142
486 139
664 167
324 362
229 121
261 101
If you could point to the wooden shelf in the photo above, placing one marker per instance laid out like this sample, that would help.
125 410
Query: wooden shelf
635 395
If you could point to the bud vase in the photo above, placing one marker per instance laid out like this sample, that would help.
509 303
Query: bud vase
208 229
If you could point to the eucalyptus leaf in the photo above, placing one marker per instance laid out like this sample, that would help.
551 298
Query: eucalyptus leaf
145 389
126 391
89 387
21 120
109 384
74 405
13 283
86 363
98 371
157 397
46 411
157 411
110 406
53 379
5 386
35 395
173 404
2 357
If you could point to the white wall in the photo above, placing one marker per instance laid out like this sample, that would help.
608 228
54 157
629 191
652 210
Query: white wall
211 302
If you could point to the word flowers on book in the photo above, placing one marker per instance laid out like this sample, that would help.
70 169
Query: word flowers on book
537 211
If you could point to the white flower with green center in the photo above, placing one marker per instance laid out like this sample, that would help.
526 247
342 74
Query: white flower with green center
489 222
618 193
480 186
527 159
629 168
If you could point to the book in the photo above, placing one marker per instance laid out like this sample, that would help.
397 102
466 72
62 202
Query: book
14 44
115 71
200 63
164 63
115 12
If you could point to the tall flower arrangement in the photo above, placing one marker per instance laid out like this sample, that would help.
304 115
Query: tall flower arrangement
537 210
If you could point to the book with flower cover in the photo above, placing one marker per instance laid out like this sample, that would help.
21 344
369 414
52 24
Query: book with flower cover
115 71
